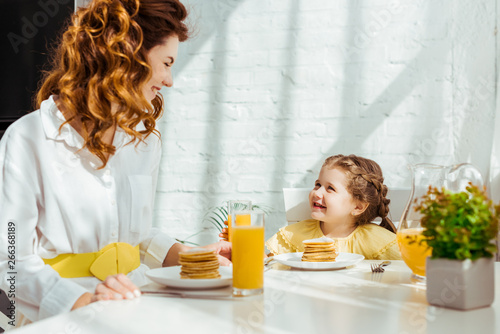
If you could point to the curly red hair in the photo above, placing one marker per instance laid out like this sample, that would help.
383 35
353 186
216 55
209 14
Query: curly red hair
101 62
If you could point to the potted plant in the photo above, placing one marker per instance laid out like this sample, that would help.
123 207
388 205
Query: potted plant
461 229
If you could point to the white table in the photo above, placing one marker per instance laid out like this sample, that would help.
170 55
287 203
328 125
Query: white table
351 300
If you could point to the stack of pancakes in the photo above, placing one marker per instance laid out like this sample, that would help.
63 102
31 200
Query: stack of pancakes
199 263
319 250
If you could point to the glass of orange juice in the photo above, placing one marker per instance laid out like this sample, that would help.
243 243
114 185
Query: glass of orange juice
232 207
248 253
414 250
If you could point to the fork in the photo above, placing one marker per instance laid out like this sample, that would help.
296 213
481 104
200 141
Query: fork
378 268
267 263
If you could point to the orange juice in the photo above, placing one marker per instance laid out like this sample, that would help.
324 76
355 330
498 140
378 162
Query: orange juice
236 206
243 219
248 257
240 220
413 251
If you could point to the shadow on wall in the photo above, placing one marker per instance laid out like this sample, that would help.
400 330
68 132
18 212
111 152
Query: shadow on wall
392 95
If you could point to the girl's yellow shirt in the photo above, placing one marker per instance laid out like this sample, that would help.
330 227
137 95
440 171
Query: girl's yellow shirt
370 240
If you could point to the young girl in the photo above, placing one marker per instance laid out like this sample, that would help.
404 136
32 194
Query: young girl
347 196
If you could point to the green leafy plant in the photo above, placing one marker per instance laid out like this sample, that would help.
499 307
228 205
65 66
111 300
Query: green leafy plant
459 225
218 214
187 242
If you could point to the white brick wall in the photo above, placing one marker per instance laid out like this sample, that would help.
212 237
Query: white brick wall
266 90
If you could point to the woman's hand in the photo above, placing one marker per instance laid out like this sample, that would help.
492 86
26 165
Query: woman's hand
114 287
224 233
223 251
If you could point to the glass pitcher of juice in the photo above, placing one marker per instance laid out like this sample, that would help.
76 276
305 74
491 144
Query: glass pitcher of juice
414 250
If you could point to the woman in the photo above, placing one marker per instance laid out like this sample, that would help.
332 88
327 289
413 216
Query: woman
78 175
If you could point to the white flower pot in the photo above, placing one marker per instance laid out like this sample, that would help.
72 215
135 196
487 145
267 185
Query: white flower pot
462 285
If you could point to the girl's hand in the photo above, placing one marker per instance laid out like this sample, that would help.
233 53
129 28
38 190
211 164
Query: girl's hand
224 233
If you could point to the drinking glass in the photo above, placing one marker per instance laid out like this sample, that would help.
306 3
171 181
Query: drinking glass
232 207
248 253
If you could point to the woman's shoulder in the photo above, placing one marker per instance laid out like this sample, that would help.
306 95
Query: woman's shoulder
24 128
28 133
35 122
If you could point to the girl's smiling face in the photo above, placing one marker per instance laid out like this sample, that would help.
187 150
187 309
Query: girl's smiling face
161 58
330 201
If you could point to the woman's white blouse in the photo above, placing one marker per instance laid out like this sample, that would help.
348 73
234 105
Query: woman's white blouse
57 200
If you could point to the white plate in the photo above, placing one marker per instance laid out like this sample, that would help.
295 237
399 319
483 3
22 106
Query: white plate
295 260
170 276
